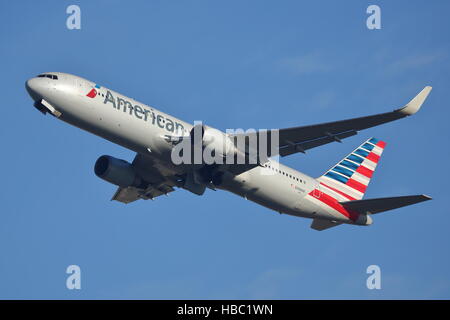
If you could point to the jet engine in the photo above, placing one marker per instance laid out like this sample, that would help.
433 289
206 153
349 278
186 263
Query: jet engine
117 171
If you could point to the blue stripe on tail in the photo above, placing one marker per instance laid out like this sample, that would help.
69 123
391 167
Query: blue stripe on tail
355 158
349 165
337 177
344 171
362 153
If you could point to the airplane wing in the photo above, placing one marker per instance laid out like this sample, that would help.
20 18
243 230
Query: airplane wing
300 139
161 181
373 206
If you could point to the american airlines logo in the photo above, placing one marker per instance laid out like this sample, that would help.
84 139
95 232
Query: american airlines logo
204 144
93 92
142 113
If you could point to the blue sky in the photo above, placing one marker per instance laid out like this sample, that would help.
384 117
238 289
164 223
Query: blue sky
232 64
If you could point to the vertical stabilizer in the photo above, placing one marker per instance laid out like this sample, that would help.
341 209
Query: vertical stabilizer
348 179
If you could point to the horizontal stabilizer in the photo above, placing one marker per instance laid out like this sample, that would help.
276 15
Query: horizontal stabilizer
320 225
373 206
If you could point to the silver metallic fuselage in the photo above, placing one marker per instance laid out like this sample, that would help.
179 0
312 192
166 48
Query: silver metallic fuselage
68 95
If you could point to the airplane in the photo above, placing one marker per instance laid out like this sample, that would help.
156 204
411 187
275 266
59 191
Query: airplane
330 200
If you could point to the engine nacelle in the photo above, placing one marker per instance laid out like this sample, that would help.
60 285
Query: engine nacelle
116 171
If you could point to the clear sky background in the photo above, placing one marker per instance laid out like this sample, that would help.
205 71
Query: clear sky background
232 64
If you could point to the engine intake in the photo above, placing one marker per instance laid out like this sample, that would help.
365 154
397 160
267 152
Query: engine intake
116 171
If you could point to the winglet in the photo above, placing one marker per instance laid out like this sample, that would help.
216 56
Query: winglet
425 197
414 105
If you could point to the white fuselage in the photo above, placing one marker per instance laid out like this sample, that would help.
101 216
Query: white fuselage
142 128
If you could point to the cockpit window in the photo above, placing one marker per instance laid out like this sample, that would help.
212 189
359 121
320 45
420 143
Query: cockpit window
50 76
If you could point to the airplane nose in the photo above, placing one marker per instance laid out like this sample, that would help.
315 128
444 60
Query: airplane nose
32 87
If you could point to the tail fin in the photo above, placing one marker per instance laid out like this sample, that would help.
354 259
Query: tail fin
349 179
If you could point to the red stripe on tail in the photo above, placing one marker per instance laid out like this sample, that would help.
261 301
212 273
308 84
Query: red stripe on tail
381 144
373 157
365 171
339 192
356 185
332 202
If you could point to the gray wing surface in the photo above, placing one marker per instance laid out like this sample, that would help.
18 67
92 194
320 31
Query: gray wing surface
300 139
